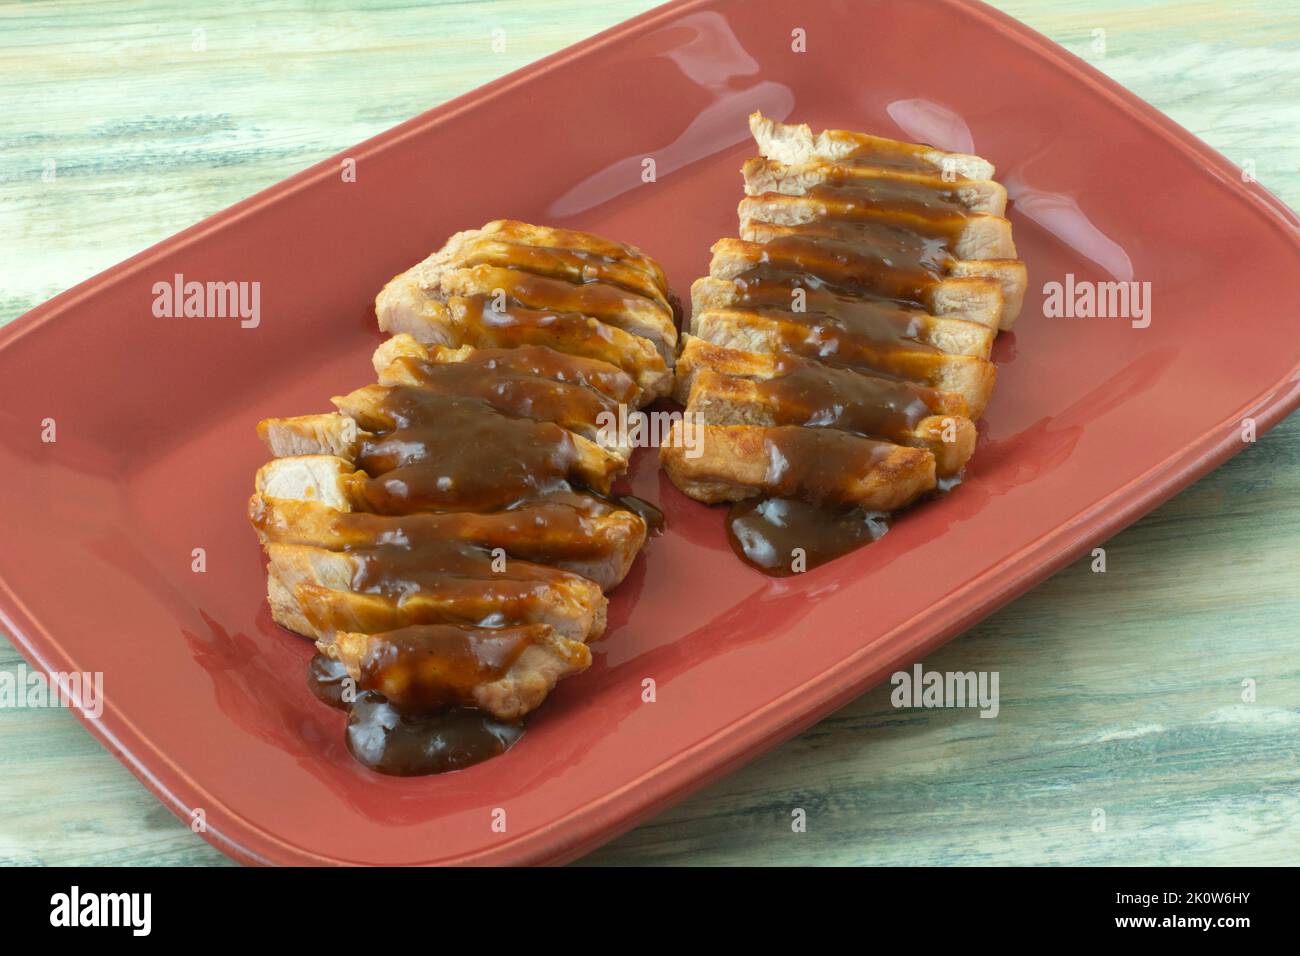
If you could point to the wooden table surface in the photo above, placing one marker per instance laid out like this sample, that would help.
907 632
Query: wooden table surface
123 122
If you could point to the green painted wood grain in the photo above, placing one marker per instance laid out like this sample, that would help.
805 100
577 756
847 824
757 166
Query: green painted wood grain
1120 691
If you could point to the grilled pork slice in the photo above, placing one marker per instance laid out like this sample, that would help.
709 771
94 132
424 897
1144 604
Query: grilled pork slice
846 267
450 453
511 392
826 314
898 186
333 481
414 461
803 392
1010 274
505 671
439 453
968 236
547 251
387 586
573 532
285 609
967 375
475 321
319 612
327 611
614 305
392 362
791 144
537 268
859 263
327 434
573 407
821 465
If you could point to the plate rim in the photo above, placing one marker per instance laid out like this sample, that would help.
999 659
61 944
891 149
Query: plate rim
613 812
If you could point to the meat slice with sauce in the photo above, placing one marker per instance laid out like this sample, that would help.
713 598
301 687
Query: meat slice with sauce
447 534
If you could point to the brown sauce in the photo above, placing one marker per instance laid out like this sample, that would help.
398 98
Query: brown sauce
887 154
581 245
512 326
860 332
598 299
871 318
878 339
818 464
326 679
765 533
433 667
831 342
392 586
514 393
927 241
544 362
556 530
450 453
892 262
848 215
399 570
388 741
818 395
899 195
573 265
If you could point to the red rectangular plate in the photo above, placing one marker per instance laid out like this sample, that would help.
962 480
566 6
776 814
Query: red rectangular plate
1093 422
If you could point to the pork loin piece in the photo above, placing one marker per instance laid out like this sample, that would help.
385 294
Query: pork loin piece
983 249
332 433
858 247
565 254
327 434
392 362
580 410
429 534
973 195
387 586
850 270
968 236
334 482
821 465
826 313
447 453
970 376
614 305
505 671
429 458
803 392
576 533
421 451
549 251
541 270
477 322
791 144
